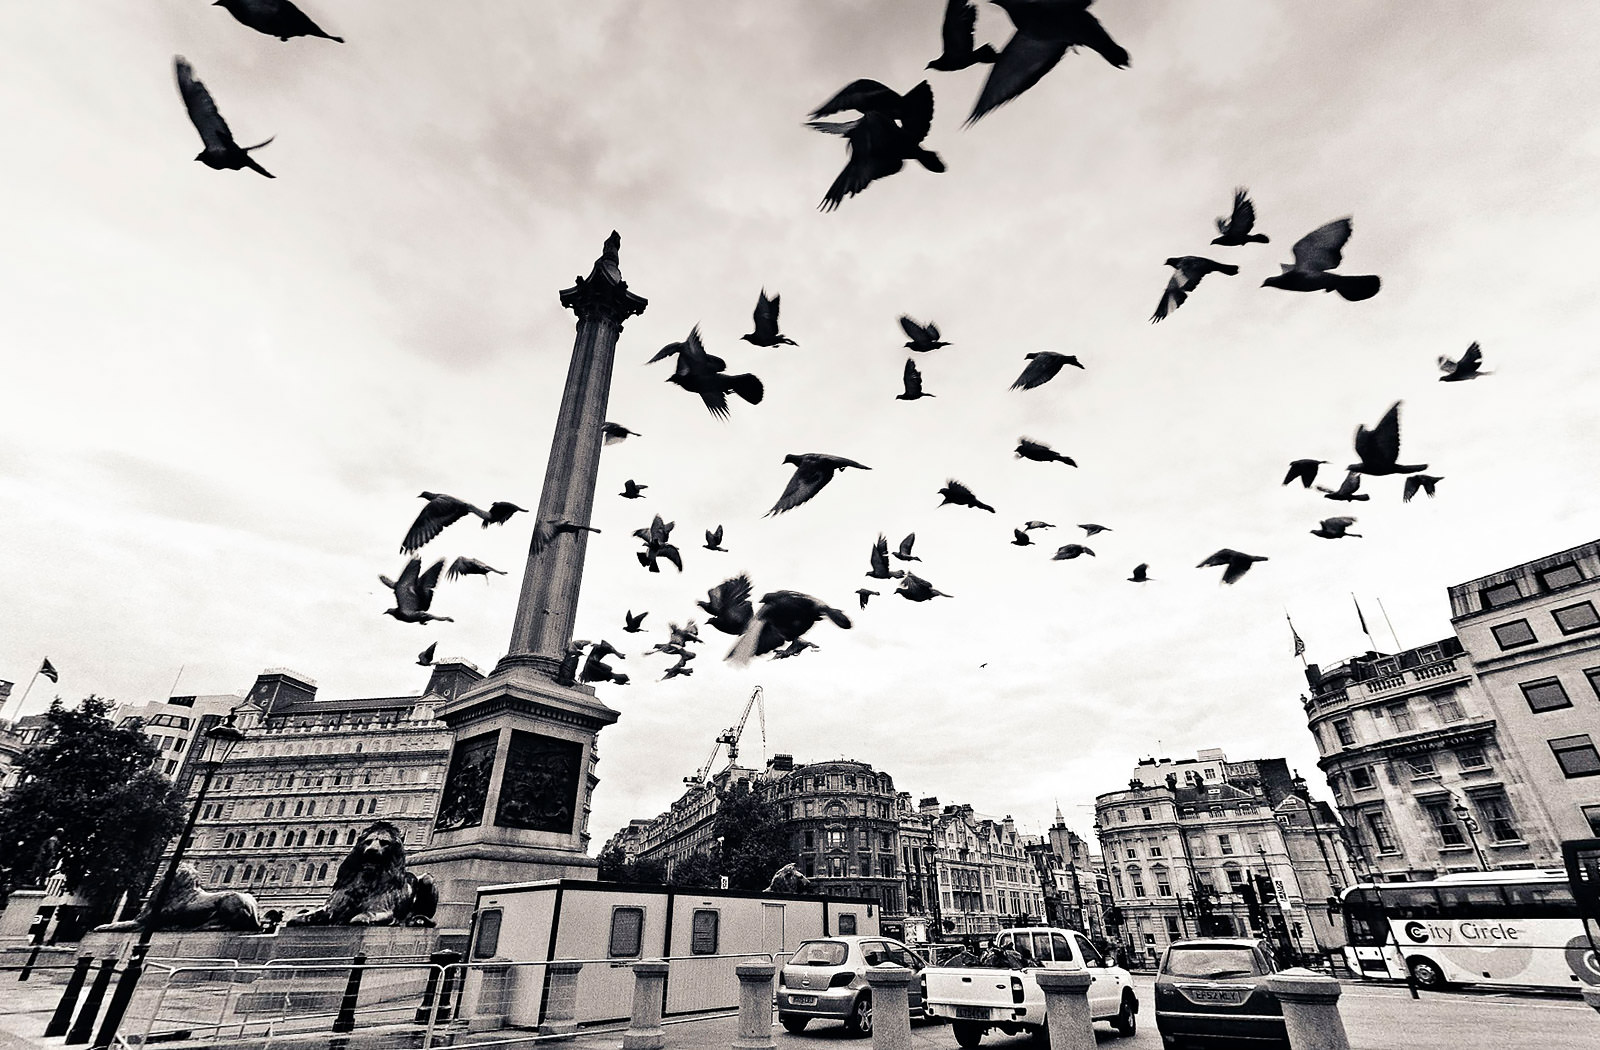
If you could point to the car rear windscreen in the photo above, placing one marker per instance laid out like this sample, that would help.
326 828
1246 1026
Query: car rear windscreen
820 953
1211 963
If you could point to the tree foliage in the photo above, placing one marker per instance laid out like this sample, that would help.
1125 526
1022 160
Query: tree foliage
89 782
615 867
755 843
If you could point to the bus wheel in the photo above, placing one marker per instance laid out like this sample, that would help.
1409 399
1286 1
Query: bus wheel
1426 973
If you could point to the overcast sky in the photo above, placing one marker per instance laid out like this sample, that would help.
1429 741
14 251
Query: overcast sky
224 392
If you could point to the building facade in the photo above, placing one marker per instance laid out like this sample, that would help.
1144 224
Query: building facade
985 877
172 725
843 819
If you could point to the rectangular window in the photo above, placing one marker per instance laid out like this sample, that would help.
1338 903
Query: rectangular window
1546 694
1579 617
1172 928
1503 594
1235 878
1138 885
1132 853
1577 755
1155 851
1593 674
1347 736
1421 765
1471 758
847 924
1361 778
1553 579
487 941
703 932
1494 815
1444 822
1382 837
835 837
1514 633
1401 713
1226 843
1146 812
627 928
1163 887
810 839
1447 707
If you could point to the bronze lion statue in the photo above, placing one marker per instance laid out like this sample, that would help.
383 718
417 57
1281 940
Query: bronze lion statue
373 887
190 906
789 879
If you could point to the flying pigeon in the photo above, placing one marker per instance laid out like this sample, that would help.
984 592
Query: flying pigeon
864 594
1379 447
766 323
727 605
632 622
812 470
688 634
921 337
912 380
1317 253
440 511
278 18
915 588
1140 573
958 494
603 649
1187 273
714 540
960 23
615 432
1237 563
1091 529
880 561
680 668
464 566
221 151
701 373
1046 31
657 544
1303 470
1031 525
597 670
1335 528
544 534
672 649
1071 551
425 658
1235 228
1425 482
413 592
632 490
1042 368
888 133
795 648
1039 452
1469 367
1021 539
1346 492
783 617
904 553
500 512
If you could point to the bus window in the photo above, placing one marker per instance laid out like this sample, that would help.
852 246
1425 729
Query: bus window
1472 902
1411 902
1542 901
1364 922
1583 876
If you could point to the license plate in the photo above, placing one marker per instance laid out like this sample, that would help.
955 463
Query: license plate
1228 996
973 1013
802 1000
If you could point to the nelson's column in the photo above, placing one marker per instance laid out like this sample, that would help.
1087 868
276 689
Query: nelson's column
515 804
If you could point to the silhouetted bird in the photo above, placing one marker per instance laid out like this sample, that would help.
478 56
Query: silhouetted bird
464 566
915 588
1315 255
1039 452
921 337
1303 470
1071 551
632 622
615 432
277 18
1379 447
1469 367
1031 525
1424 482
603 649
812 470
425 658
1020 538
632 490
440 511
500 512
912 379
794 648
886 135
681 668
1187 271
657 544
1235 229
688 634
871 96
880 561
221 152
548 531
766 323
783 617
1346 492
958 494
1046 31
1140 573
1091 529
1237 563
413 592
1335 528
597 670
960 23
863 594
672 649
727 605
714 540
904 553
1042 367
705 374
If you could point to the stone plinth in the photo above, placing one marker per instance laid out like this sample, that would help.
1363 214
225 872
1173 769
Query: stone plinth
1310 1004
1066 1004
17 918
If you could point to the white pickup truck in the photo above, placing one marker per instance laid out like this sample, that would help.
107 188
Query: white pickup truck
977 998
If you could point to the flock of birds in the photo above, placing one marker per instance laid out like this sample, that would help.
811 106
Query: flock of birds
888 132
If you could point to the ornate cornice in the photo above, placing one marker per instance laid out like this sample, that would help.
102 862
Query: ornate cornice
604 295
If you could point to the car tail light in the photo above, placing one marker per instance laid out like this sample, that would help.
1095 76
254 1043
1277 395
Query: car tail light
841 979
1016 989
783 978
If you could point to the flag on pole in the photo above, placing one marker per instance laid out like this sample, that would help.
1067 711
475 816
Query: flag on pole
49 671
1299 643
1363 619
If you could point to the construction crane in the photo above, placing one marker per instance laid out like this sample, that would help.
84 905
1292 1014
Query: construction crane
731 736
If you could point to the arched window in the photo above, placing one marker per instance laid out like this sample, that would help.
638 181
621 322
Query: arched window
310 872
350 837
299 808
301 841
227 874
244 876
272 838
361 804
261 837
322 873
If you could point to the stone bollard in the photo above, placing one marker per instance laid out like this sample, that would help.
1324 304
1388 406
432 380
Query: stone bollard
1310 1009
644 1028
755 1006
891 1006
561 1000
1066 1005
1591 995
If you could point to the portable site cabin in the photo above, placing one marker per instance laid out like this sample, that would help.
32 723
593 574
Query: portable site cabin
609 925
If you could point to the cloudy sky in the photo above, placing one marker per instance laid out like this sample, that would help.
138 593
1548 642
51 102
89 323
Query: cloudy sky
224 392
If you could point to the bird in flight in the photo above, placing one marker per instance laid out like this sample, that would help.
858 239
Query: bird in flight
794 648
1091 529
1315 255
783 617
957 31
1379 448
688 634
714 540
880 561
413 592
914 588
1071 551
632 490
766 324
615 432
1424 482
1335 528
1346 492
631 622
904 553
1039 452
464 566
863 594
443 510
1031 525
1046 31
958 494
545 533
1020 538
727 605
1235 229
912 380
1237 563
921 337
888 133
1042 367
1469 367
812 470
681 668
657 544
425 658
1303 470
595 669
1140 573
221 151
1187 271
705 374
278 18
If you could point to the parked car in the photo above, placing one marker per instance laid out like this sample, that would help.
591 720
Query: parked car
1213 991
824 978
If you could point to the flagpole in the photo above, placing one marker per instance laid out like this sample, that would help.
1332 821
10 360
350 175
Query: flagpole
21 703
174 688
1385 612
1299 646
1363 620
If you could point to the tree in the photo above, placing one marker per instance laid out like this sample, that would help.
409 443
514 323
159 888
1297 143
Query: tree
755 843
89 782
615 867
696 870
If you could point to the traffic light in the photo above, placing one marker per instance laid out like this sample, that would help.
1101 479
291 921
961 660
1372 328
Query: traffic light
1252 906
1267 893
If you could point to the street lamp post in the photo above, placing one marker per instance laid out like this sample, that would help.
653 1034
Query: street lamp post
220 741
1469 822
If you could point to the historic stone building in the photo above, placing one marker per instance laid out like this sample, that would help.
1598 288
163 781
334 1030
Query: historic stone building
1074 888
986 879
843 819
171 725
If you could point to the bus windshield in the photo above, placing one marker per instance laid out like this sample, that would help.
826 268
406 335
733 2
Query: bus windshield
1363 917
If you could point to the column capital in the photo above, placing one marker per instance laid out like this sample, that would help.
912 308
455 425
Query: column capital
604 295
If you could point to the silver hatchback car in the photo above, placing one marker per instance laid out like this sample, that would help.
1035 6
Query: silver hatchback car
824 978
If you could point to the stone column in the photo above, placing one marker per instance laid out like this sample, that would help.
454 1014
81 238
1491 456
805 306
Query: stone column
561 1000
755 1006
1066 1005
1310 1009
644 1028
891 1007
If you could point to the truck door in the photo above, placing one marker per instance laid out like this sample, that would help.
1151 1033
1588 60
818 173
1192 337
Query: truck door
1105 984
